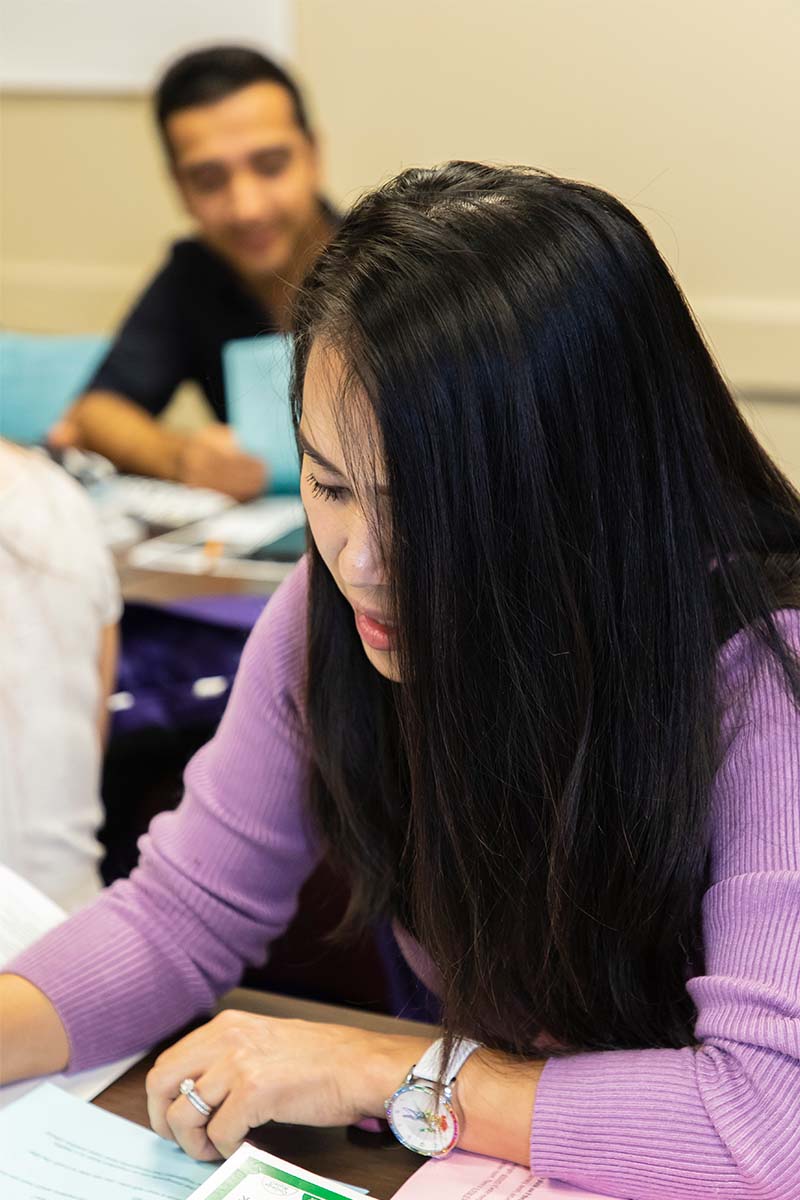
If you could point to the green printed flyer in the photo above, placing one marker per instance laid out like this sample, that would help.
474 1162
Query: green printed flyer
251 1174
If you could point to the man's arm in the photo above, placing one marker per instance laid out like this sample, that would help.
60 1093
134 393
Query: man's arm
136 442
150 357
123 432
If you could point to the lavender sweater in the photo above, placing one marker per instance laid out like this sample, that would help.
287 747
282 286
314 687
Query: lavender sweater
219 878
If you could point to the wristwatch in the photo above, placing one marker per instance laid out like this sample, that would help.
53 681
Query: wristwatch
416 1118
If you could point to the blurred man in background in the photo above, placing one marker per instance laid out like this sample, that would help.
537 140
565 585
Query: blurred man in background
245 162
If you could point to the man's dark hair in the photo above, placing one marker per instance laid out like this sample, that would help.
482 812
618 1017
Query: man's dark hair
206 76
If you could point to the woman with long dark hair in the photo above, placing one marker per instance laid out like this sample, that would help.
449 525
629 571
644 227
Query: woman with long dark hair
536 688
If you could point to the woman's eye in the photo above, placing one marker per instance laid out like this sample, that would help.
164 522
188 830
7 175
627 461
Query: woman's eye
323 490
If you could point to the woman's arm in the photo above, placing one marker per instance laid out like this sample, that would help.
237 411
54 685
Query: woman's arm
497 1099
218 878
33 1040
107 669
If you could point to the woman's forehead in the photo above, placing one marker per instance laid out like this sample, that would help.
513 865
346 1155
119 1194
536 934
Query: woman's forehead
325 367
322 419
338 418
323 385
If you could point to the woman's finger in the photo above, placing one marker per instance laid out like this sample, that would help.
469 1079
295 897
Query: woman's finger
188 1126
187 1059
159 1098
244 1108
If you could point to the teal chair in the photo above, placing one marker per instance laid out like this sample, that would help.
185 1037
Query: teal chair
40 376
257 374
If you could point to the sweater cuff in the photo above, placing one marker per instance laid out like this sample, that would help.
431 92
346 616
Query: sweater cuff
93 998
628 1123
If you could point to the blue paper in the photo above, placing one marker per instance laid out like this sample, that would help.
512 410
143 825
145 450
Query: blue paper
55 1146
40 376
257 377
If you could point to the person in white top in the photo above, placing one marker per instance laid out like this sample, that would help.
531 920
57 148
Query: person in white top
59 608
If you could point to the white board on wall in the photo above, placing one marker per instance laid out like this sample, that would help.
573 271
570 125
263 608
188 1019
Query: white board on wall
123 45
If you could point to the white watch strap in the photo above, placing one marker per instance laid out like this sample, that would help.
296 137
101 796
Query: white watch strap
430 1065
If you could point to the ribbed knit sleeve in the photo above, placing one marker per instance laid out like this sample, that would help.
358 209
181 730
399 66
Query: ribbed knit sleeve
722 1119
217 879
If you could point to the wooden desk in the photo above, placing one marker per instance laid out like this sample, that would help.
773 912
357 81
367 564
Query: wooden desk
160 587
381 1166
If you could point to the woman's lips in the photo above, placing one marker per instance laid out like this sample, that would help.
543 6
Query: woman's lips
376 633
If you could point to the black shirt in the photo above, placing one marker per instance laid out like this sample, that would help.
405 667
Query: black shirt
177 328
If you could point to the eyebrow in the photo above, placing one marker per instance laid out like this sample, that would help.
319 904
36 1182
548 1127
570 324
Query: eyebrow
322 461
278 150
308 449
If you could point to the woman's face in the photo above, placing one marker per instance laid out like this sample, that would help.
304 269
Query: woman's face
343 526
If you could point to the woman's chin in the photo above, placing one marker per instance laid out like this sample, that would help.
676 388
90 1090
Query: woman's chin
384 662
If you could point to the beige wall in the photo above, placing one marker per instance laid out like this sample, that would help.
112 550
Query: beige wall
85 209
687 111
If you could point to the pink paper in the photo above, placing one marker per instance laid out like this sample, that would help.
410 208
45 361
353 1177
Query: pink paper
463 1176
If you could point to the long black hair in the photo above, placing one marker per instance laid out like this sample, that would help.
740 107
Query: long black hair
579 516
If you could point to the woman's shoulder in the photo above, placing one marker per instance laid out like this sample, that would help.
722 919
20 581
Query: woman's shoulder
745 657
753 686
756 823
41 506
283 621
49 527
31 484
275 654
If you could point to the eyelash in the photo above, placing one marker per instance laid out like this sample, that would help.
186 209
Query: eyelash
322 490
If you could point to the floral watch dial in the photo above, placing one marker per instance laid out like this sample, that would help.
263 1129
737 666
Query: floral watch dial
420 1121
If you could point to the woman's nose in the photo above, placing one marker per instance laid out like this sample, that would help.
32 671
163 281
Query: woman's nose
361 561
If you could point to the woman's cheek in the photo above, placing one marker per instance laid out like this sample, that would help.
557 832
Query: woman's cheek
324 530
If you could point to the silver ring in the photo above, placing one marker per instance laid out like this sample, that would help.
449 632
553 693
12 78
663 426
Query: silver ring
191 1093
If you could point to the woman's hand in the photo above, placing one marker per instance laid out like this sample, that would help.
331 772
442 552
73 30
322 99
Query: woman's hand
252 1069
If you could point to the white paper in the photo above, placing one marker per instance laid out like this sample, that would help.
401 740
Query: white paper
83 1086
250 525
238 531
26 914
55 1147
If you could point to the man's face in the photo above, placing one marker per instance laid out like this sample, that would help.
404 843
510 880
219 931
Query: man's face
248 175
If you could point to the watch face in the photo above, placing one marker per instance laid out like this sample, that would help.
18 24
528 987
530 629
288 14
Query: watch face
421 1122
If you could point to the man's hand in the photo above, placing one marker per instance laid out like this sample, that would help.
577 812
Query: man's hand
212 458
66 432
136 442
